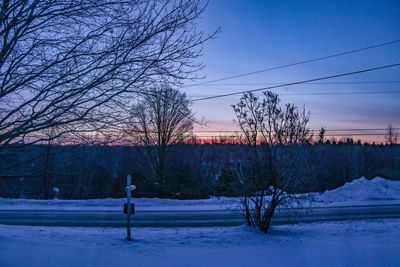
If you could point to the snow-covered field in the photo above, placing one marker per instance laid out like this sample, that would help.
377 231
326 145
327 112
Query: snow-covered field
346 243
358 192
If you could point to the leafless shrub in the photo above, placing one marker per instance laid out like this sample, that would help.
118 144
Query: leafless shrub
269 181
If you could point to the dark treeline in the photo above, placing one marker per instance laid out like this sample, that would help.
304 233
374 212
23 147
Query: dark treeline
194 171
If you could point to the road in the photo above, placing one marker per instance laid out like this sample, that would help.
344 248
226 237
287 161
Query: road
189 218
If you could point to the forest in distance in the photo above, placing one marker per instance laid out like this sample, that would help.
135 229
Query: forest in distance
192 170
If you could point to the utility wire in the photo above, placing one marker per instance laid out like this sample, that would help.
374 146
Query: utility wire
235 131
318 83
346 93
296 63
341 93
331 135
299 82
327 130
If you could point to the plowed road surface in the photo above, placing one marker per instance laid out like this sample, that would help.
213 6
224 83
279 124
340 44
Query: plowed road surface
188 218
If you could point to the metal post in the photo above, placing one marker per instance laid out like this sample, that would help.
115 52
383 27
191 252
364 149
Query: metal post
128 198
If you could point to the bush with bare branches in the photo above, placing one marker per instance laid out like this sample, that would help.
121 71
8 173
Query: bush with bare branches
266 125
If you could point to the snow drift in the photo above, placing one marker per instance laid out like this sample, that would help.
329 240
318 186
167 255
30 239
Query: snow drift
358 192
362 190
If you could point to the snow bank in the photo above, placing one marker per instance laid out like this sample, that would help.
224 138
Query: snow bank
362 190
358 192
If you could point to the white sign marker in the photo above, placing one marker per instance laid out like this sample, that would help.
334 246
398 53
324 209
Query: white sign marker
129 188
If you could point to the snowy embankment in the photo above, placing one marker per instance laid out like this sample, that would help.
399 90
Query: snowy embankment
346 243
361 191
358 192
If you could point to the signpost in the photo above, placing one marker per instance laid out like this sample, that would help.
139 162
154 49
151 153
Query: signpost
129 188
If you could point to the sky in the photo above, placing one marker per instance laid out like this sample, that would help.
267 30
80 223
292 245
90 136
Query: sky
262 34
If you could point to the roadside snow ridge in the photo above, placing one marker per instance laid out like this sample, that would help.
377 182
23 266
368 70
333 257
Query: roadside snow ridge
363 189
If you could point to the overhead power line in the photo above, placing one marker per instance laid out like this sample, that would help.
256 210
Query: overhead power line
316 83
326 135
341 93
327 130
346 93
297 63
299 82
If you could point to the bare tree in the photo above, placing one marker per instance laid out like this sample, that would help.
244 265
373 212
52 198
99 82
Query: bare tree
161 119
392 135
266 127
321 135
62 61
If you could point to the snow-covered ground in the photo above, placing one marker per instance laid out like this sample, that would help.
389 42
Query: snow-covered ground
358 192
361 191
215 203
346 243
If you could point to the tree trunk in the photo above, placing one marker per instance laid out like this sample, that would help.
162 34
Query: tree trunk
247 212
46 175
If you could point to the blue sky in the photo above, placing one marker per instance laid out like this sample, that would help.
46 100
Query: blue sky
261 34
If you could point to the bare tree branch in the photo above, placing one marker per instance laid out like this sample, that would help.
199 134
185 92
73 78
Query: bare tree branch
62 61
